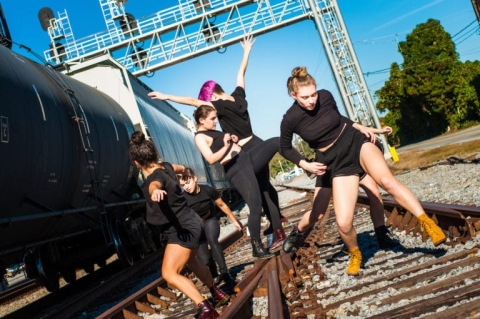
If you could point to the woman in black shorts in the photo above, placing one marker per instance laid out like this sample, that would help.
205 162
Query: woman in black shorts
345 152
203 199
167 209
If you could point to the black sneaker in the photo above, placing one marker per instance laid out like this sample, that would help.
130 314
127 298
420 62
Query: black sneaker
292 239
385 239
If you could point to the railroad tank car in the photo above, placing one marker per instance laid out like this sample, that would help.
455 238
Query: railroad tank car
69 190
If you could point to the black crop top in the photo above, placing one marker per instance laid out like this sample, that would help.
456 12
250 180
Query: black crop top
318 127
233 115
217 142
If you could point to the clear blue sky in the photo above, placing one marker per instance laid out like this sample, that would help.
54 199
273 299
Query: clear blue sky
374 27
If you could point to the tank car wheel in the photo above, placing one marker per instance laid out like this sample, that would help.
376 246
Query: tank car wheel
122 247
69 274
47 270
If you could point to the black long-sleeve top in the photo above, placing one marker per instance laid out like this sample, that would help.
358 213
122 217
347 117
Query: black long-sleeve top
318 127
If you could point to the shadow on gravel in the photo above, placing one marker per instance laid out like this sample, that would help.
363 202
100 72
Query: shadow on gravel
369 247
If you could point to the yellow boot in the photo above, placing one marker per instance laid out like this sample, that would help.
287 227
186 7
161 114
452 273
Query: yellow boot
355 261
436 234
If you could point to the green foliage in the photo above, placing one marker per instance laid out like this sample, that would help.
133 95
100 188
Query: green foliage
432 90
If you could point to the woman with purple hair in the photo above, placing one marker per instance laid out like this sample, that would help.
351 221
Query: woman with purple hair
233 116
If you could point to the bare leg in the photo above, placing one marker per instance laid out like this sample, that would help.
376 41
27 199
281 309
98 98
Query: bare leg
174 259
377 213
200 269
372 161
321 199
345 193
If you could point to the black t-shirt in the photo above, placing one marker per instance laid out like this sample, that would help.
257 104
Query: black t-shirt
318 127
204 201
233 115
170 208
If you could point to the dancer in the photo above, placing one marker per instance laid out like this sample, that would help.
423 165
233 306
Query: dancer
167 210
233 116
202 199
344 154
320 204
240 168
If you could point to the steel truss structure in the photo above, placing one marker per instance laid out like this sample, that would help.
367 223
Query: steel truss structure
196 27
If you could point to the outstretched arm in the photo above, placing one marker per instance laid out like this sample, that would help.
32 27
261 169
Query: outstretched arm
178 99
247 47
224 207
156 191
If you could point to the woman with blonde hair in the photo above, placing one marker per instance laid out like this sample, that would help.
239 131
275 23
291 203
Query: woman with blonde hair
345 152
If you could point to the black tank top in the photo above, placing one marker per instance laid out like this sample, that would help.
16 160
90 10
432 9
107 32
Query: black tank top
217 142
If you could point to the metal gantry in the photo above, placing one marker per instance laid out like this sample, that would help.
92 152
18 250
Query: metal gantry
196 27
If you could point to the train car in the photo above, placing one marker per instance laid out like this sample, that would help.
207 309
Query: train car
70 193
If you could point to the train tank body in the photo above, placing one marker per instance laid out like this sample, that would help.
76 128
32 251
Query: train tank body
171 131
59 138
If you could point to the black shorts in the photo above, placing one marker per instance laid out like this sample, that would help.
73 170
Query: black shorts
190 233
343 157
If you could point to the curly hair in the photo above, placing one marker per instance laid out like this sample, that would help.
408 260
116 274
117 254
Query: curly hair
142 150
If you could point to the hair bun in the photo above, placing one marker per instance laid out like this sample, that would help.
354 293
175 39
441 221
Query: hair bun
299 72
137 137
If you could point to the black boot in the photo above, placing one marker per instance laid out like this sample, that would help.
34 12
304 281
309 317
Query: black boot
206 311
227 278
219 296
385 239
259 251
292 239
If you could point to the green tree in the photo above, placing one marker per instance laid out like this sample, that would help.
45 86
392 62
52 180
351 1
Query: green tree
432 90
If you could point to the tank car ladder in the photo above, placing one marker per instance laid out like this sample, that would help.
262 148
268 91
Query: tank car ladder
84 130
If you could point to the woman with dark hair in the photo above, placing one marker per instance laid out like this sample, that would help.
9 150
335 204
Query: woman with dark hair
345 152
168 211
240 168
202 199
233 116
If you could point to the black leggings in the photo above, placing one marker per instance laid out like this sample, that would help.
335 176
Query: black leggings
212 231
241 172
270 202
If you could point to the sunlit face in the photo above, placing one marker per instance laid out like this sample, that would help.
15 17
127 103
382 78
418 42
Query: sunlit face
188 184
210 122
306 96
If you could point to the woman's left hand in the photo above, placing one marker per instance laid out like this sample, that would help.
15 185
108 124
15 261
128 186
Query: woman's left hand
247 43
158 195
158 96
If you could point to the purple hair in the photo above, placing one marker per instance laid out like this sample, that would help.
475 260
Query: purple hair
206 91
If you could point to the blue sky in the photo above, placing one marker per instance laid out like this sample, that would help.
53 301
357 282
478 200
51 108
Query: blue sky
374 26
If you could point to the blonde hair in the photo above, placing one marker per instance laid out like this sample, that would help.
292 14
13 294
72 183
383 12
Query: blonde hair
300 77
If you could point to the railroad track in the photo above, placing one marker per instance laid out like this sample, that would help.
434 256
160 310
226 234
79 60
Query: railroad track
406 282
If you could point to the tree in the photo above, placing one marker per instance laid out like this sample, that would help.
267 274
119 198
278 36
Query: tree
431 90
